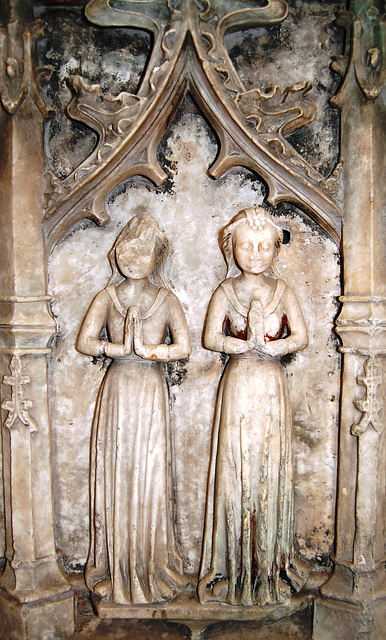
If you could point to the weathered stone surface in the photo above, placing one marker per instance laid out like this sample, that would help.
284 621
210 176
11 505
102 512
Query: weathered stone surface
294 627
191 209
298 49
53 618
343 621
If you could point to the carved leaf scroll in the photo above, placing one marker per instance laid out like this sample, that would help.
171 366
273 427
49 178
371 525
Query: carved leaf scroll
17 406
276 111
372 404
189 54
110 116
218 17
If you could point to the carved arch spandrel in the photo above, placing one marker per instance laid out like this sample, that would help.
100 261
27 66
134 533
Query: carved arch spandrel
189 53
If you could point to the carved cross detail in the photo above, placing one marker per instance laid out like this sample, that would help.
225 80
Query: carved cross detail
170 20
17 406
371 405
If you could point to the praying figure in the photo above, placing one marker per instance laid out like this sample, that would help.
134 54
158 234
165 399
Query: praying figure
253 317
133 556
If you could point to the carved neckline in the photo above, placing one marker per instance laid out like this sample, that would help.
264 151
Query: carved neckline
242 310
158 300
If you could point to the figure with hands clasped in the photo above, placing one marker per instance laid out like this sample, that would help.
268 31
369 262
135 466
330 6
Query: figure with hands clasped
254 318
133 556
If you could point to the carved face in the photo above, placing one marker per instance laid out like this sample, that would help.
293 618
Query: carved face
254 249
136 257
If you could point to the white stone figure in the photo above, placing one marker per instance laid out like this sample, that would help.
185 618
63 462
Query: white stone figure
253 317
133 557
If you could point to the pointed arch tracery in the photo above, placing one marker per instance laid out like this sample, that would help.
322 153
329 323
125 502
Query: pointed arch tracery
188 53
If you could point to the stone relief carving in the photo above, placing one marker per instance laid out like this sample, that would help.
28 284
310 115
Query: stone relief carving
110 116
133 555
366 52
18 406
254 318
18 78
211 85
372 405
201 64
274 111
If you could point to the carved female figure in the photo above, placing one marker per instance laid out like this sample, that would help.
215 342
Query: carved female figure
255 318
133 557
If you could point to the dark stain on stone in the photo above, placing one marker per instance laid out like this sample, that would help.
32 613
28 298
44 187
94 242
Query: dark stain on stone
289 357
176 372
70 40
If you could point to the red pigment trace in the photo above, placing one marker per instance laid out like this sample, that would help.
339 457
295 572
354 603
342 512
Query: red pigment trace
284 330
226 327
283 327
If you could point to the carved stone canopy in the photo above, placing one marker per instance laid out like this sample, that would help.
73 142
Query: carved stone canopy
189 54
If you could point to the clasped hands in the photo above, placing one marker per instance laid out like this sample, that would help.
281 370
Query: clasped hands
133 335
255 329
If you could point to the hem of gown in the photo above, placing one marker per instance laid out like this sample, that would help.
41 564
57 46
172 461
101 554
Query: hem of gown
278 587
167 584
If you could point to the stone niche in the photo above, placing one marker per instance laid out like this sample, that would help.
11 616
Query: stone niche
191 210
190 207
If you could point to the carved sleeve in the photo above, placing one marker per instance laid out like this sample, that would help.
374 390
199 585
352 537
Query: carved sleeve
214 338
88 341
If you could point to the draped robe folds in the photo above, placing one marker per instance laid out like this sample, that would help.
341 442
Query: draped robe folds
247 545
133 556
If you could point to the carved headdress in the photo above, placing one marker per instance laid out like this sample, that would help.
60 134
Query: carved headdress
257 218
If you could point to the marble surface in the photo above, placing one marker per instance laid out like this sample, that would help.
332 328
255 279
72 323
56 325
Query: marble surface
191 209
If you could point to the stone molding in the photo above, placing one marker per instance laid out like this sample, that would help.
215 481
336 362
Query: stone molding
189 54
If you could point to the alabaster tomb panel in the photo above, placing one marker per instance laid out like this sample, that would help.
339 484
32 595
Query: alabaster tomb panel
190 209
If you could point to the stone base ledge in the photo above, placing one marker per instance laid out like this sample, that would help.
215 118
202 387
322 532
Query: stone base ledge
335 620
187 610
47 619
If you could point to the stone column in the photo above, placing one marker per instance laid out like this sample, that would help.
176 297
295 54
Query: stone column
35 598
353 603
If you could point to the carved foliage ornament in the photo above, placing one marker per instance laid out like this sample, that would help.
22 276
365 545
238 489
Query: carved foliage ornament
275 113
188 53
17 406
18 79
372 404
108 115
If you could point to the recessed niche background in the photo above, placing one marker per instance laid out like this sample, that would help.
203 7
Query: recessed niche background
191 208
